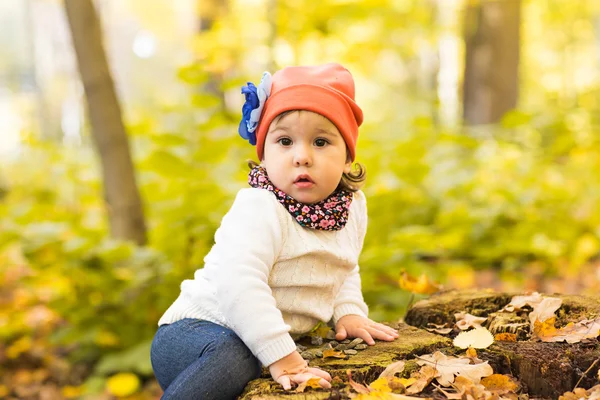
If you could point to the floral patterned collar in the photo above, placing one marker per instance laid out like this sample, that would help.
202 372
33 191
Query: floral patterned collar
330 214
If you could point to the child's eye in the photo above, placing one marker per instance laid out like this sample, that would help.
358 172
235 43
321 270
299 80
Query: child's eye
285 141
321 142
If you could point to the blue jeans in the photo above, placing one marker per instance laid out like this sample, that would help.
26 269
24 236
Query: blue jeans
195 359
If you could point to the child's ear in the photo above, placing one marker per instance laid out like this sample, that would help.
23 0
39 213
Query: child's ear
348 166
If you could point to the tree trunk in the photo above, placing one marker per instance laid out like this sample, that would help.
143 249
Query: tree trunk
543 370
490 84
123 201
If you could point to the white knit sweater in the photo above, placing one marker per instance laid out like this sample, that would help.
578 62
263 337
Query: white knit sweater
266 276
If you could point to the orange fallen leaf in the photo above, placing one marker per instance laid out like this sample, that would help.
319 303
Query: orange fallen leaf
333 353
312 383
422 378
499 383
505 337
471 352
358 387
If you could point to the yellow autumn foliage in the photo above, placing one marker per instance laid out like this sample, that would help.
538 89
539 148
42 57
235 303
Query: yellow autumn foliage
123 384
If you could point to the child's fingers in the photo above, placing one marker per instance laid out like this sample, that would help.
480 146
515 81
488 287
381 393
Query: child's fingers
387 329
319 372
381 335
341 333
364 334
301 378
284 380
324 384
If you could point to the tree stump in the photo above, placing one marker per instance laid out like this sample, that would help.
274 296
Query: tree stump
545 370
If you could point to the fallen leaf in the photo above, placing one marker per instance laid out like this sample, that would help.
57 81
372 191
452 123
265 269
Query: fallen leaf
465 321
545 309
448 367
380 385
441 329
478 338
333 353
518 302
592 393
406 382
420 285
312 383
422 378
320 330
571 333
505 337
392 369
499 383
471 353
358 387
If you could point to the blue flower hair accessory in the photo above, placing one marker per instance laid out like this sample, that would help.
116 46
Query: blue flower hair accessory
252 108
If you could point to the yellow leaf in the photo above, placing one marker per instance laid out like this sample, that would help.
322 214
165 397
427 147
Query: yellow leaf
545 329
71 392
320 330
420 285
312 383
478 338
123 384
333 353
406 382
3 391
505 337
380 385
499 383
471 352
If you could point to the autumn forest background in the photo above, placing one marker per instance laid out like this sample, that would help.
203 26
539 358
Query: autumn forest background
481 142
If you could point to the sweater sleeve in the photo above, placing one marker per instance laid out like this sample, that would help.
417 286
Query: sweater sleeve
247 245
350 299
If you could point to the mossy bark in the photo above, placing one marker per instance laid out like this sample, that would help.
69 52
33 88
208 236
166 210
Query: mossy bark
365 366
545 370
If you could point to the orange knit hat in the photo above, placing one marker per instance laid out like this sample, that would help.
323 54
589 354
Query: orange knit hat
325 89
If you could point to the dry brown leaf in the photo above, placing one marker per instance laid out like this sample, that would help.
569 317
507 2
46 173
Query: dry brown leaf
465 321
571 333
420 285
441 329
505 337
478 338
579 393
518 302
333 353
393 369
448 367
312 383
358 387
422 378
499 383
545 309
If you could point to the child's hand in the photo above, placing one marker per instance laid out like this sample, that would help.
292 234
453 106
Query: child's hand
360 327
293 370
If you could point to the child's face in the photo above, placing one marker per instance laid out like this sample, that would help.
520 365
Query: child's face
305 156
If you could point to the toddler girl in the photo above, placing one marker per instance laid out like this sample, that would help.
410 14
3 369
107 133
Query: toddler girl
286 254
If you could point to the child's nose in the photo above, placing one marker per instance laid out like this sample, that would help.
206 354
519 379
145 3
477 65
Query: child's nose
303 156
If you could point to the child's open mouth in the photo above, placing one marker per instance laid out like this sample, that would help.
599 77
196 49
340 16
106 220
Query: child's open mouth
303 181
